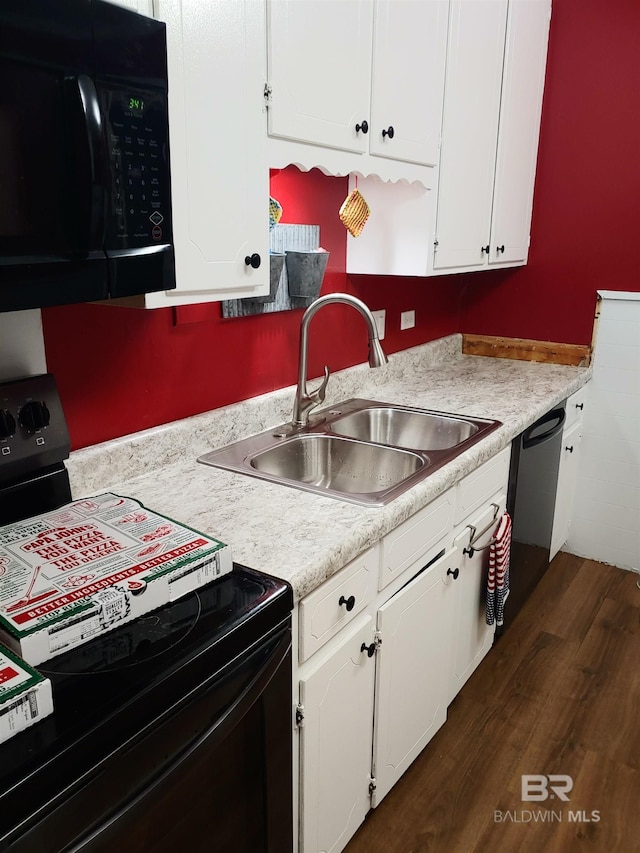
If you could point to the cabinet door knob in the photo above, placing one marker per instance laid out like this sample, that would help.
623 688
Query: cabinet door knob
253 260
570 449
349 603
370 650
500 248
364 127
579 405
390 132
454 572
484 249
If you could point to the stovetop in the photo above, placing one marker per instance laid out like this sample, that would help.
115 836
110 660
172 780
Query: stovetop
112 687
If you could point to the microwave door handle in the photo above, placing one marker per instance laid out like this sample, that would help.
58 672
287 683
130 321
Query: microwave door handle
93 127
92 120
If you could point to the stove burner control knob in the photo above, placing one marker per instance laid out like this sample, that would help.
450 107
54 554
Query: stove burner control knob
34 415
7 423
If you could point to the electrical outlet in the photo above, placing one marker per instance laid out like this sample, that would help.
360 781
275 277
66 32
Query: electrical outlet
407 319
379 317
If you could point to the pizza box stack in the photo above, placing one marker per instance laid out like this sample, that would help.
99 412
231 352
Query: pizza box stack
25 695
70 575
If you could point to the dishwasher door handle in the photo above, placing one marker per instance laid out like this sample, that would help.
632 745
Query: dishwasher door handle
555 418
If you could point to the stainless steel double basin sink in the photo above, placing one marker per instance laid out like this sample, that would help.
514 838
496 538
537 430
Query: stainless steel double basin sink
360 451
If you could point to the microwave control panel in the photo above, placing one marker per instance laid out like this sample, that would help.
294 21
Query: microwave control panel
139 198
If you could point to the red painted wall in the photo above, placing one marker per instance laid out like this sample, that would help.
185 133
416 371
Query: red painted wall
120 370
586 214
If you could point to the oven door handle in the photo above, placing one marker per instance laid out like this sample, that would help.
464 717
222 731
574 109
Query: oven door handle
219 729
555 417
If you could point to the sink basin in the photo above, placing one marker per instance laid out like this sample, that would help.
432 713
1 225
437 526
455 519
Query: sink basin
338 464
361 451
401 427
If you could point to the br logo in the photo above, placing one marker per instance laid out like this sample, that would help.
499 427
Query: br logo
536 787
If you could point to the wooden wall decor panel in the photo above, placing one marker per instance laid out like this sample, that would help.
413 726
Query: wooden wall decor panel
524 349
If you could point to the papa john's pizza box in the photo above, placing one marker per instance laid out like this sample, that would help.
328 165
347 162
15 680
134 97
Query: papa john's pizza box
91 565
25 695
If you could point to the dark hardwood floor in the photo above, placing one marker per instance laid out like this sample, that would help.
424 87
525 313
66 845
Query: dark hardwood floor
558 694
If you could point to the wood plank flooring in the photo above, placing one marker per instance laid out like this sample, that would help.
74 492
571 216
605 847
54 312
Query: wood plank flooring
558 694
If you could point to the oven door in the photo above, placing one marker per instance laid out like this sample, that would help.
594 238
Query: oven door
52 200
213 774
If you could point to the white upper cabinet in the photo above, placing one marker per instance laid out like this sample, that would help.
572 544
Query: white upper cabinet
216 55
469 131
522 89
359 83
493 101
319 71
480 213
407 83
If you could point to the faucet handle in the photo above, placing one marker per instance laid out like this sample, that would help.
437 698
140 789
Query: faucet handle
320 393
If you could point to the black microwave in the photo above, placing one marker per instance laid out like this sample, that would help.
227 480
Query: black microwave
85 194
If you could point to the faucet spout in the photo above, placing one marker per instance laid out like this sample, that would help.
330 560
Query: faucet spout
304 401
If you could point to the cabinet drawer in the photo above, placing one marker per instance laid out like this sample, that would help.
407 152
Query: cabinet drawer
416 538
321 612
485 481
575 406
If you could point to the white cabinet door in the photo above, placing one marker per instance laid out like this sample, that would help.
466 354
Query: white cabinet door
414 669
522 88
407 85
219 177
567 473
469 131
320 70
335 740
473 637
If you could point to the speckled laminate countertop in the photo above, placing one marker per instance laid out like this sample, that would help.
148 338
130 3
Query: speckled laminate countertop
295 535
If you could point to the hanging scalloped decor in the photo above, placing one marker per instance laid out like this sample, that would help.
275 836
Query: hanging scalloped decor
354 212
275 212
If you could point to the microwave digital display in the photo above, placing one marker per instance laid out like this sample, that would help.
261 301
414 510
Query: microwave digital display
136 104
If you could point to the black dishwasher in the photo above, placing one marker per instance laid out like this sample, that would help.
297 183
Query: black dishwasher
531 501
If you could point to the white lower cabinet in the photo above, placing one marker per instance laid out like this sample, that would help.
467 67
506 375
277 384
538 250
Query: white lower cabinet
568 469
415 628
473 637
378 668
336 698
348 762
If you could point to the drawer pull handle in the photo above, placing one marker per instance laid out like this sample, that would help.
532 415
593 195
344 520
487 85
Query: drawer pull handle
370 650
579 405
390 133
349 603
454 572
570 449
364 127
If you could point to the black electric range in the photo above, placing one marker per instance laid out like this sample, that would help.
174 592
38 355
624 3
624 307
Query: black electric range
171 730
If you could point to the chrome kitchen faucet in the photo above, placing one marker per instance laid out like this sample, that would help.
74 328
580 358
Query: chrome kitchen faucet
304 401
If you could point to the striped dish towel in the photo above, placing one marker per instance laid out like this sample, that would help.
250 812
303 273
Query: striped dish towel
498 576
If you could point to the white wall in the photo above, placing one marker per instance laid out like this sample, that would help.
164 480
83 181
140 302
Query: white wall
606 512
21 345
